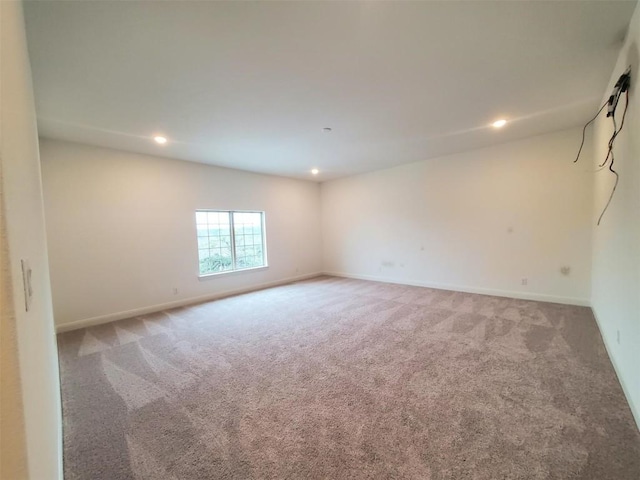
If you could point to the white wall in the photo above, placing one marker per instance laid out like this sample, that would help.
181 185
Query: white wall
24 218
616 241
121 229
478 221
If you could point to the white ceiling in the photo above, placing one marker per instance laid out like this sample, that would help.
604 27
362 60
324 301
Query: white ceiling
251 85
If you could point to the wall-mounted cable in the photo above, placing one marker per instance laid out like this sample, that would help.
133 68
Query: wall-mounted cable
610 154
584 129
621 86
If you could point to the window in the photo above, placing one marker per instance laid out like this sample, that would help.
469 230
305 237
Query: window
229 241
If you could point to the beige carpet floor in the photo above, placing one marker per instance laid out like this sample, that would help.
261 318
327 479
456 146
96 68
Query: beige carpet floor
344 379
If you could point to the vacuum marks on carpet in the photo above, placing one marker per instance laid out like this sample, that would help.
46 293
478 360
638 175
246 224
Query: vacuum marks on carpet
345 379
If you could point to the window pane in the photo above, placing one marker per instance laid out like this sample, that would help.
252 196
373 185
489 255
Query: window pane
220 262
248 231
205 266
213 218
214 240
223 218
201 218
215 249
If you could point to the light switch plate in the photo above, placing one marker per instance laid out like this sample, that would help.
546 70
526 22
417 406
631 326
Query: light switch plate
26 281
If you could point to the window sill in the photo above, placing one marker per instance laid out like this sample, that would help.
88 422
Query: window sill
209 276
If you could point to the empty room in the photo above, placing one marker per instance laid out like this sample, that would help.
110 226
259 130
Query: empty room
320 240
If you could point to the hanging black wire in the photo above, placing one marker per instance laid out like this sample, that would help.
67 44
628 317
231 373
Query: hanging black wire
616 131
610 154
615 185
621 86
584 129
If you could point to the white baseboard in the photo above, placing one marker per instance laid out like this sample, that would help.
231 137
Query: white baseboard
540 297
635 409
112 317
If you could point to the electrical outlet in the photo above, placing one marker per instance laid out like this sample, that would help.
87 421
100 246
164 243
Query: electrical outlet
525 281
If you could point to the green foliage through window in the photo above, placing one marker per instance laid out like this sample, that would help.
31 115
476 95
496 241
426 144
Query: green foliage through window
229 240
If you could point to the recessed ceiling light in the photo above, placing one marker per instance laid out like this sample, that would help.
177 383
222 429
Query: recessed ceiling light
160 140
315 171
499 123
